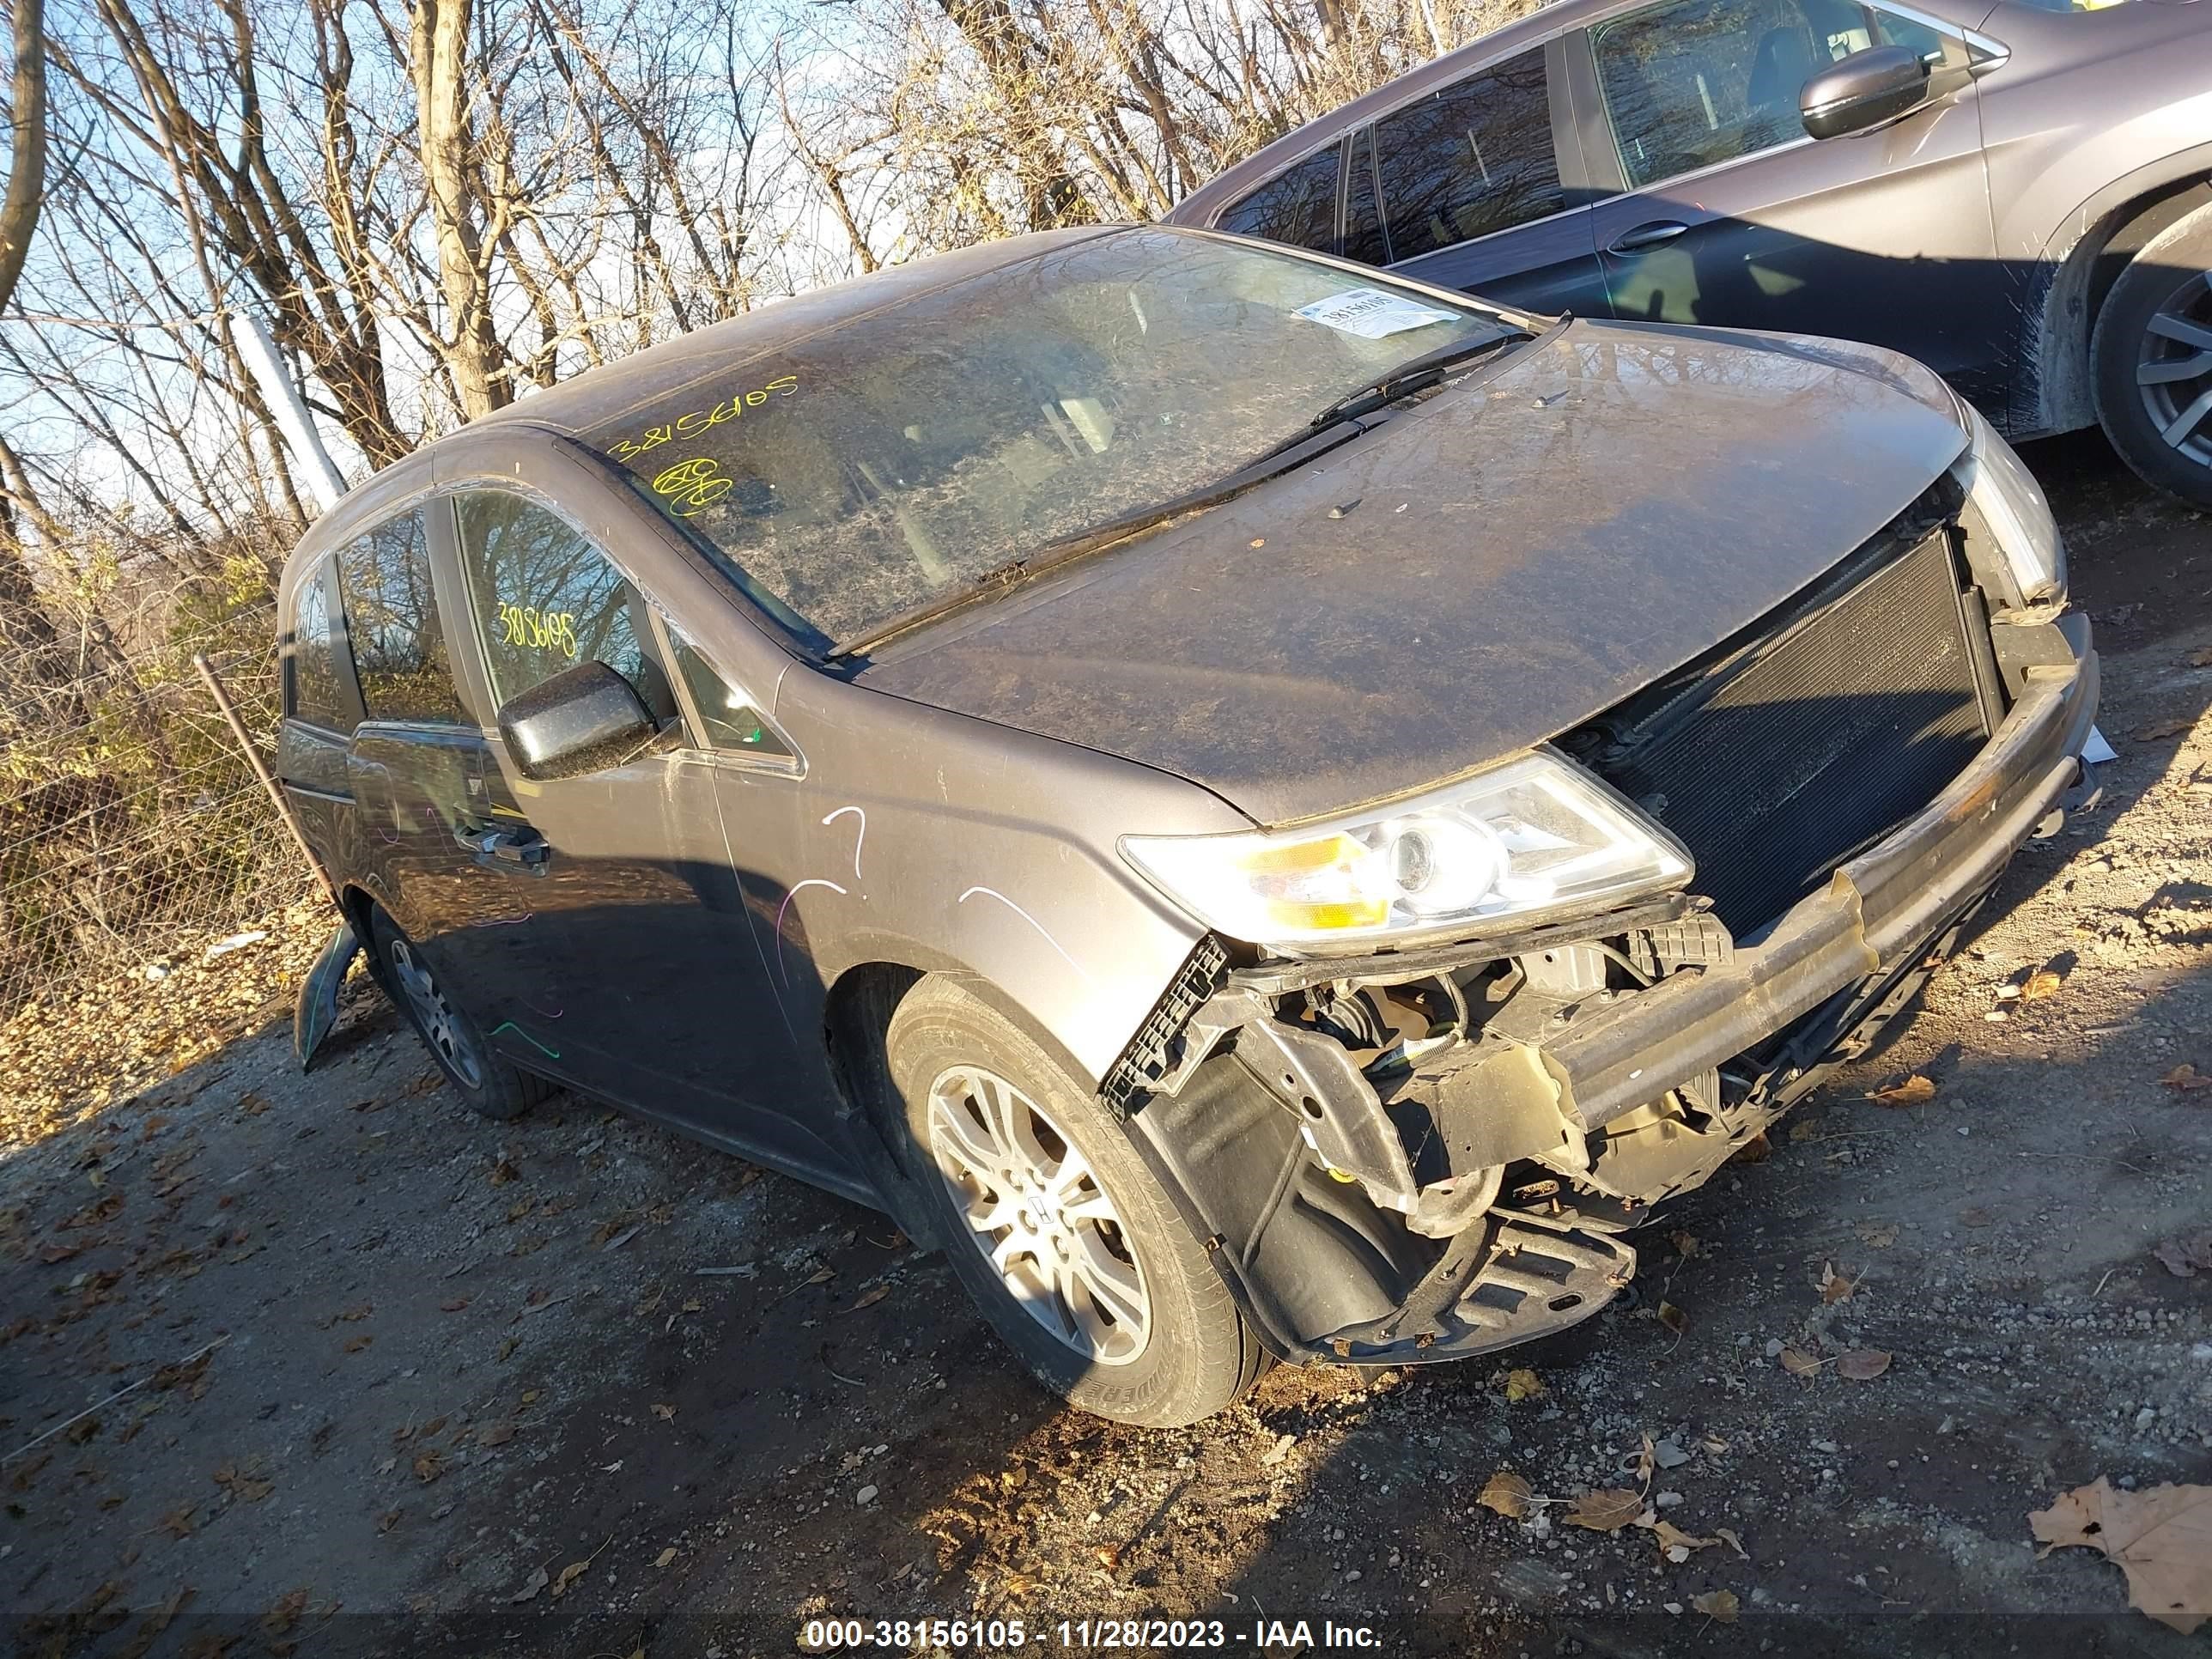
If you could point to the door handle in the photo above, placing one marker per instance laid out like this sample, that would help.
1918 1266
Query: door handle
521 846
1649 235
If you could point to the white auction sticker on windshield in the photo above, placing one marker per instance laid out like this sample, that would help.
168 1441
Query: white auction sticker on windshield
1370 313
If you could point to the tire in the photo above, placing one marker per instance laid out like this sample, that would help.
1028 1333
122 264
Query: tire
492 1086
1146 1333
2158 319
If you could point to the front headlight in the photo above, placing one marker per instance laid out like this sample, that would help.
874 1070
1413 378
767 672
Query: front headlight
1517 843
2010 506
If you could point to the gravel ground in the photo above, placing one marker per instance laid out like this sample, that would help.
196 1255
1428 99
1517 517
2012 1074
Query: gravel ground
401 1379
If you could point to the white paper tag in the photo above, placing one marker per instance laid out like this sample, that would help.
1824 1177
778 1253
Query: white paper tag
2099 749
1370 313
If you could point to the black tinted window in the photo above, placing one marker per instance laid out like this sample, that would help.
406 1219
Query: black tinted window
1702 82
547 598
1363 220
1473 159
314 681
1297 207
391 618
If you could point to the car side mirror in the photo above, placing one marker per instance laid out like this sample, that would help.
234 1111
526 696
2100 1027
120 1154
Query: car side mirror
1863 90
585 719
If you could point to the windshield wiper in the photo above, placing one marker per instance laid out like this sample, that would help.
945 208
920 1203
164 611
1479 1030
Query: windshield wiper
1409 376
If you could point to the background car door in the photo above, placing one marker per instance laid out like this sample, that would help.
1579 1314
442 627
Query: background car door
1471 198
1730 215
648 983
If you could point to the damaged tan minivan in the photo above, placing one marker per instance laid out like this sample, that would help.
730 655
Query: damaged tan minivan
1260 807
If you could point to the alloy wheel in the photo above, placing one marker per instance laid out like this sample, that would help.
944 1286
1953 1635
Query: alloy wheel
2173 369
441 1025
1037 1212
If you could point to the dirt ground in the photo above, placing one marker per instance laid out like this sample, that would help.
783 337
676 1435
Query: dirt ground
402 1380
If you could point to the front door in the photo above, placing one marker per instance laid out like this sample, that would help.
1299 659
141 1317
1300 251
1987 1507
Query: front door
650 981
1730 215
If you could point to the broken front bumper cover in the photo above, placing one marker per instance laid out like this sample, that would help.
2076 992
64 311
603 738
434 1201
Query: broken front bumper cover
1507 1276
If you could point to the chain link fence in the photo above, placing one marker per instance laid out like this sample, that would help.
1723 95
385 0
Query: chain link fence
145 878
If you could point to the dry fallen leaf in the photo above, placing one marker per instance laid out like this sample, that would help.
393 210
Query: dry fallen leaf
1756 1149
1915 1090
1685 1243
284 1613
2162 1539
1523 1385
570 1575
2184 1258
1606 1510
1673 1317
1506 1493
2042 983
870 1299
495 1434
665 1413
1798 1363
454 1306
2186 1080
664 1557
1861 1365
2172 728
355 1343
1720 1606
1675 1544
429 1466
1877 1235
1732 1541
1834 1287
537 1581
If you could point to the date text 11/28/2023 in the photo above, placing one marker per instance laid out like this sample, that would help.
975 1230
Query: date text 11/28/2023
991 1635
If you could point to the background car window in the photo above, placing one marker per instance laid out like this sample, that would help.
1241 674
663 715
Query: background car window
1297 207
1363 239
546 598
1701 82
1929 44
391 619
731 721
1473 159
314 679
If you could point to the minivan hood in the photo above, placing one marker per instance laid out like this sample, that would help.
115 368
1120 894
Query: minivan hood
1504 561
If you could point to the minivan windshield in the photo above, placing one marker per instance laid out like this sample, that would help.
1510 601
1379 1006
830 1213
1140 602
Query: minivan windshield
889 463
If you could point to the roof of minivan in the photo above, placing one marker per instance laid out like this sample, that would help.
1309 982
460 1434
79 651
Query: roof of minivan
655 374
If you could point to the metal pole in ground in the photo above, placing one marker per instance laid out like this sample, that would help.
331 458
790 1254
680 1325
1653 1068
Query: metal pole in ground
260 769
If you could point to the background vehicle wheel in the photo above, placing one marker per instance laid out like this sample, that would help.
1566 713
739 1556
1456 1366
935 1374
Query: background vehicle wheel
2151 355
488 1084
1054 1224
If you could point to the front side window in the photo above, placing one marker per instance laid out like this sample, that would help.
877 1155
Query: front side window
315 680
391 619
1297 207
1698 82
546 598
902 459
1471 160
732 722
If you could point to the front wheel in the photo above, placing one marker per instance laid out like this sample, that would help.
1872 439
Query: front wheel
1069 1246
2151 355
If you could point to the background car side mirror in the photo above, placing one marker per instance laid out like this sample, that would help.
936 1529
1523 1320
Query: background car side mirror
585 719
1863 90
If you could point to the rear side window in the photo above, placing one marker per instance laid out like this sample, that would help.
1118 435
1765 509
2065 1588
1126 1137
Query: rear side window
391 619
1297 207
1471 160
546 598
312 686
